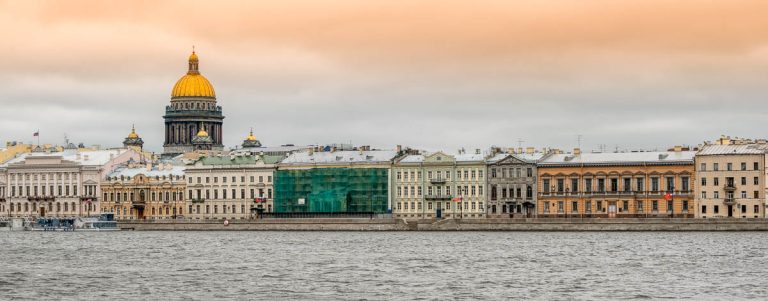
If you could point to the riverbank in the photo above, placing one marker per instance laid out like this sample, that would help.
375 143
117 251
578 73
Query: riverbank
597 224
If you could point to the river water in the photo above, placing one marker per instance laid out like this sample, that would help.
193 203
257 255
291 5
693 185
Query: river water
383 265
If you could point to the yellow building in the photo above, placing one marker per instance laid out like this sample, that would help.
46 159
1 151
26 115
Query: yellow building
12 149
145 192
635 184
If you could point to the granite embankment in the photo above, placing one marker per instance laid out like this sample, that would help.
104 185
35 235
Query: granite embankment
622 224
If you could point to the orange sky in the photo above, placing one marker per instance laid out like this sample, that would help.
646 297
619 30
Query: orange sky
366 58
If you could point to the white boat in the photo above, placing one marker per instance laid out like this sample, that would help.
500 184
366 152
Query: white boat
105 222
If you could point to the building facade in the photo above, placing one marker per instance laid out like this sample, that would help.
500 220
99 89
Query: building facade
731 181
637 184
512 184
59 184
439 185
230 187
334 182
152 191
193 110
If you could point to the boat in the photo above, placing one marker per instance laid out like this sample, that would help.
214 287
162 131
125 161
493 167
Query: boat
105 222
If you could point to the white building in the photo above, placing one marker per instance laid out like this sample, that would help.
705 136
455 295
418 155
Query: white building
439 185
731 181
230 187
62 184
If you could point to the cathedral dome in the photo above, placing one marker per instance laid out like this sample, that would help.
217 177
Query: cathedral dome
193 84
202 133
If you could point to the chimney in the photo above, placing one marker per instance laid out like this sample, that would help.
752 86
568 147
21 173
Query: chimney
519 150
678 148
149 166
529 150
333 149
77 156
399 148
576 151
311 151
477 151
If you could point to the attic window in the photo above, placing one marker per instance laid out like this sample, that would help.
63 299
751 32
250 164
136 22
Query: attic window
338 158
438 158
369 158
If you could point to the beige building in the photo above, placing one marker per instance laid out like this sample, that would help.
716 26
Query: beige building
61 184
230 187
145 191
439 185
731 180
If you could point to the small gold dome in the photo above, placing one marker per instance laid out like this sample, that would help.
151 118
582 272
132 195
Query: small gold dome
202 133
251 137
193 84
133 134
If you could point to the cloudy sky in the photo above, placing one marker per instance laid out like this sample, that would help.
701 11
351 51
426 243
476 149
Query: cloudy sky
427 74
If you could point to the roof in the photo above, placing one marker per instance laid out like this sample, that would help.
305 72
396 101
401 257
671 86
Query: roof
743 149
457 158
239 159
132 172
526 157
412 159
340 157
682 157
92 157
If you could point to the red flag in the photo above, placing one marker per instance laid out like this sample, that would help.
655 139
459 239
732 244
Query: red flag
36 134
458 199
668 196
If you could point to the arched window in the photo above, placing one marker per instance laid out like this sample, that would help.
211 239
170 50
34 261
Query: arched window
58 207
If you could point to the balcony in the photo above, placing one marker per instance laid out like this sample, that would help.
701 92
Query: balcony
729 187
437 181
437 197
198 200
41 198
729 200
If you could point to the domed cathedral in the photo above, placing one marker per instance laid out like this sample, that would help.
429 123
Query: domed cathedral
193 110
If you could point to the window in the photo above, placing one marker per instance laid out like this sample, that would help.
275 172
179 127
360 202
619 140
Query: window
560 185
685 206
703 167
703 181
716 181
703 194
614 185
716 209
601 185
625 206
530 172
545 183
756 166
729 166
757 194
743 165
599 206
655 206
670 206
493 173
627 185
704 209
560 207
757 207
575 207
743 208
655 184
743 180
716 166
716 195
399 176
574 185
588 185
670 183
685 183
743 194
756 181
588 206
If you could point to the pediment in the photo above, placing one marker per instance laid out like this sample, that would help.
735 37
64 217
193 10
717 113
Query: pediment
439 157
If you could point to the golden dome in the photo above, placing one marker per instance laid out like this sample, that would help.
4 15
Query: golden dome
250 137
202 133
133 134
193 84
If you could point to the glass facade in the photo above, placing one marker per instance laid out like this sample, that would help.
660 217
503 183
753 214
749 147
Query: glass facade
331 190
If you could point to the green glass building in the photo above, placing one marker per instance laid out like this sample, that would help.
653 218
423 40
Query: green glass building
331 190
333 182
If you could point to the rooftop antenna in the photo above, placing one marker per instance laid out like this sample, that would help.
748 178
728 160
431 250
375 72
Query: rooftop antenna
601 146
578 140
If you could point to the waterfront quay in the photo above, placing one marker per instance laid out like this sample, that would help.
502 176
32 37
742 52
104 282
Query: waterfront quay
391 224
